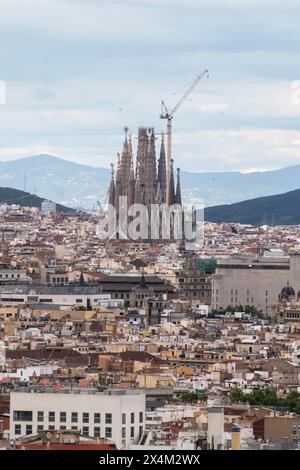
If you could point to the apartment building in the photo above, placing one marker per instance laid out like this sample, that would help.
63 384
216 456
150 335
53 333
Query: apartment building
87 296
116 415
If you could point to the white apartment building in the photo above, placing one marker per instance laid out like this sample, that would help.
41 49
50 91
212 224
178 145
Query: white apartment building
116 415
48 206
256 281
87 296
25 373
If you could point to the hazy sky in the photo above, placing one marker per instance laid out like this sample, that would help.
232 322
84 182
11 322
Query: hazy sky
78 71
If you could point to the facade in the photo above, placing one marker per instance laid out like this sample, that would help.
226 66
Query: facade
195 281
116 415
289 312
215 428
277 428
86 296
10 275
48 206
256 281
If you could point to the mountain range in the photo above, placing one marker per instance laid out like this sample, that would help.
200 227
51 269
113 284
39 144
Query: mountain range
14 196
280 209
80 186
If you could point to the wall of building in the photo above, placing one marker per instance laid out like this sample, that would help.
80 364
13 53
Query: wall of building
240 281
129 404
215 425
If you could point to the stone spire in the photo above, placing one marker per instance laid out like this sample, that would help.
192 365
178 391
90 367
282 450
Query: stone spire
130 143
111 191
142 148
149 196
178 188
131 187
171 195
118 187
125 164
138 188
162 172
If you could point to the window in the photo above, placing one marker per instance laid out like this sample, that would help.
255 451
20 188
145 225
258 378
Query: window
97 432
17 429
74 417
108 433
85 431
85 417
74 428
40 428
97 418
62 428
63 417
28 429
40 416
140 432
22 415
108 418
123 433
132 414
141 416
132 432
51 416
51 428
123 418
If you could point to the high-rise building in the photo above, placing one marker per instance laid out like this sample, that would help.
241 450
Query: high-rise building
48 206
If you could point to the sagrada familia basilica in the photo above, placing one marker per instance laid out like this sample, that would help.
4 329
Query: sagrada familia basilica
150 181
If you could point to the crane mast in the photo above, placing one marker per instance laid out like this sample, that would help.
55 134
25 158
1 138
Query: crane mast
166 114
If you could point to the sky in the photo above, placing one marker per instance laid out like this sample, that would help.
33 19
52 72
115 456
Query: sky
77 71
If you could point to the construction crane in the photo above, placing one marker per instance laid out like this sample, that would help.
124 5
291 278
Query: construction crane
166 114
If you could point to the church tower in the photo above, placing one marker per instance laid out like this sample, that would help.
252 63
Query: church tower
178 189
149 183
111 191
125 165
118 187
162 173
171 195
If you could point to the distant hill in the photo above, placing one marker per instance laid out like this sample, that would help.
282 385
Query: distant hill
14 196
65 182
75 185
281 209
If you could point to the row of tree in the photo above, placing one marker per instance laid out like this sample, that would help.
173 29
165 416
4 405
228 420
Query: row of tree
268 397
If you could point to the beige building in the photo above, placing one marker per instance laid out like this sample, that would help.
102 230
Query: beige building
277 428
255 281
